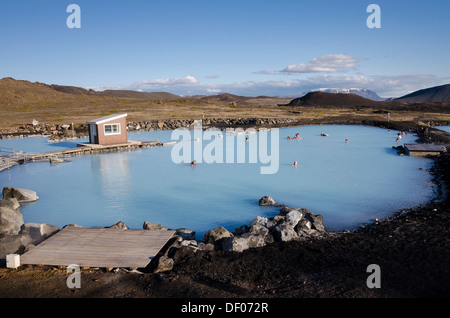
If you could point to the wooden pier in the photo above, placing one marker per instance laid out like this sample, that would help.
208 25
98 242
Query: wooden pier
424 149
8 160
86 148
98 247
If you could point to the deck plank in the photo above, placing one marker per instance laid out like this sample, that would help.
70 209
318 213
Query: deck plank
98 247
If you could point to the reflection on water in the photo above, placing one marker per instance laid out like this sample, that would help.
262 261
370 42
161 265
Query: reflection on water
112 177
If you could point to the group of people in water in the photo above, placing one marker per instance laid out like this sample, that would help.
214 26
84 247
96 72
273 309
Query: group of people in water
399 135
297 136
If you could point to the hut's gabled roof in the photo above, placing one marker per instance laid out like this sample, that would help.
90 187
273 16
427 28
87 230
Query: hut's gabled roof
102 120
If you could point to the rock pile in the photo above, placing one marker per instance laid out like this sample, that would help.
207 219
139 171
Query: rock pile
289 224
66 131
15 235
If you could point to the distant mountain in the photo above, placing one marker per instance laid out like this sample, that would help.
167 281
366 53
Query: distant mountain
363 92
225 97
436 94
113 93
20 91
332 99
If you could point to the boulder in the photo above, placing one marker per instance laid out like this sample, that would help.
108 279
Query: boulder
216 234
273 222
185 234
316 221
240 230
267 200
258 229
119 225
10 244
71 225
284 232
307 232
304 223
205 246
189 243
293 217
39 232
284 211
10 203
260 221
234 244
22 195
243 242
254 241
11 221
150 226
164 264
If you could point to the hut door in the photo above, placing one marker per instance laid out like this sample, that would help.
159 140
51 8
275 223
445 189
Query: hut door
93 137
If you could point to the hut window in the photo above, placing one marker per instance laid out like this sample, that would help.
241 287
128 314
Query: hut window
112 129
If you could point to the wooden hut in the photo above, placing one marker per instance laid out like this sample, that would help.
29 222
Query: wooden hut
108 130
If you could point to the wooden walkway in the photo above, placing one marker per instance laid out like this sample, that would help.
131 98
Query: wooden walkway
98 247
6 163
10 160
86 148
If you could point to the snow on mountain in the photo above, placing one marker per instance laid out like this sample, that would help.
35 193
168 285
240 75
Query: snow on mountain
363 92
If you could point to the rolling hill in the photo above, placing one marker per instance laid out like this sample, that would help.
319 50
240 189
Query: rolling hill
436 94
21 91
363 92
332 99
114 93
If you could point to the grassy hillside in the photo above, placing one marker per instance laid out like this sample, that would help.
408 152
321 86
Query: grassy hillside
23 101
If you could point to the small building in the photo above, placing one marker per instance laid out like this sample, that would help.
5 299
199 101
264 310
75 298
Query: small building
108 130
424 149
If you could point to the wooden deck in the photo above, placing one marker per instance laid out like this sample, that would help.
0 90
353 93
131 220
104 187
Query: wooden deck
86 148
98 247
12 159
424 149
6 163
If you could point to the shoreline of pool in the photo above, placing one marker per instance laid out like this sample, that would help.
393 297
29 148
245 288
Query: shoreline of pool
414 237
422 135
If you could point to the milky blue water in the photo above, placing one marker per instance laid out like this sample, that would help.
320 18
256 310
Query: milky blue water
349 184
444 128
38 144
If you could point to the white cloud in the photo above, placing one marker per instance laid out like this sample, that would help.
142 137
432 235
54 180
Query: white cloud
170 81
324 64
384 86
213 90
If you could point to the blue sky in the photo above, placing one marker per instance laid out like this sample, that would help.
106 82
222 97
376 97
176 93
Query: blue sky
246 47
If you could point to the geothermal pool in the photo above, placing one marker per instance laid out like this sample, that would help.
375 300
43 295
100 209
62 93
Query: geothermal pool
348 183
